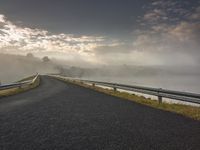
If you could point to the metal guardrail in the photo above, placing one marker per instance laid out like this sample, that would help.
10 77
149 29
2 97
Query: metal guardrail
19 84
160 93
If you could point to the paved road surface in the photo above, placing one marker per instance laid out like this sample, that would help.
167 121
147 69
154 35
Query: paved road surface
64 116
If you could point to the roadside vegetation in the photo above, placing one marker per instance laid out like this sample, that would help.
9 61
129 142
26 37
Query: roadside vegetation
27 78
186 110
13 91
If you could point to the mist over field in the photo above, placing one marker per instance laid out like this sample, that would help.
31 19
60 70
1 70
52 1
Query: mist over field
168 77
16 67
184 78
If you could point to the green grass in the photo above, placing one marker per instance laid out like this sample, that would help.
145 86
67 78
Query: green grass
13 91
185 110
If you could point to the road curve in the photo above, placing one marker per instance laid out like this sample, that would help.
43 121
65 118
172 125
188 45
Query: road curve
57 115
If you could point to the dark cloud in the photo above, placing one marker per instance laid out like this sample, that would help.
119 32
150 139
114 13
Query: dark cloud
113 17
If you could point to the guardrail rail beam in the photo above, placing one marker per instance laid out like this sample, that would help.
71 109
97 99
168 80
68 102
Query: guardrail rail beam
160 93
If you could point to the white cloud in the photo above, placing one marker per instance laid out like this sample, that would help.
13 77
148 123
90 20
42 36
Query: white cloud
183 37
185 31
2 18
16 39
155 15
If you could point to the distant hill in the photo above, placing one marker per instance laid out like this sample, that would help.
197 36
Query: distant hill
15 67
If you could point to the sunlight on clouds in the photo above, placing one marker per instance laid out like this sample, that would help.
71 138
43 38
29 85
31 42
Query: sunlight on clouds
2 18
36 40
22 40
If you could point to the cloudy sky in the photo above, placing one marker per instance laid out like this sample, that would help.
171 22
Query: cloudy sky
133 32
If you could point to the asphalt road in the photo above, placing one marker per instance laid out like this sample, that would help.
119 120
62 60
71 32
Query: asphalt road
57 115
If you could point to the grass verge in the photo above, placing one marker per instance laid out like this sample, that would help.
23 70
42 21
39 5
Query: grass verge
185 110
13 91
27 78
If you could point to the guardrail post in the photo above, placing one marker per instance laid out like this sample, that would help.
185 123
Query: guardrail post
115 89
159 99
93 84
159 92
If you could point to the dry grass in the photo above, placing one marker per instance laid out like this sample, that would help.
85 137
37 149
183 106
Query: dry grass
13 91
27 78
186 110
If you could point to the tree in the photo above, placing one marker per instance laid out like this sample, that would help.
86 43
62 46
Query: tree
45 59
29 55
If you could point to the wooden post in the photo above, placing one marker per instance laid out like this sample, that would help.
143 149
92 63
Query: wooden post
93 84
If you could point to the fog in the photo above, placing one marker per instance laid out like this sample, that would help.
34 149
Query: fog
16 67
182 78
176 77
189 83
